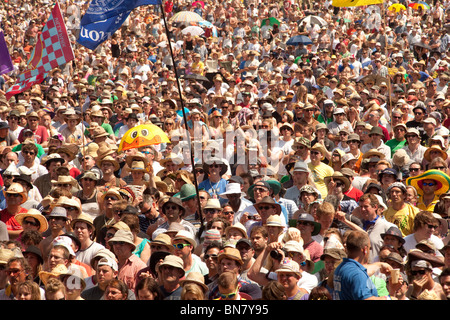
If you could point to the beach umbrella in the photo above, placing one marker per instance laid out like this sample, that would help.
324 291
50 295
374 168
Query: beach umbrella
141 136
315 20
193 30
299 39
185 17
194 4
396 7
417 5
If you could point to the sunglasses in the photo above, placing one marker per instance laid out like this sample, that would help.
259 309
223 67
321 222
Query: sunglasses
31 223
228 212
111 198
228 295
180 246
259 190
109 235
304 223
438 168
31 153
414 169
119 243
266 207
430 184
174 207
415 273
212 256
432 226
210 211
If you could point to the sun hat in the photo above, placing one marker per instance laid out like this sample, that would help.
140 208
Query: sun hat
237 226
232 188
108 158
16 188
83 218
36 214
212 204
261 183
62 179
309 218
373 153
289 265
123 236
173 261
334 253
164 240
186 236
267 200
33 250
55 272
197 278
187 192
442 179
230 253
5 255
177 201
215 160
434 147
274 221
338 176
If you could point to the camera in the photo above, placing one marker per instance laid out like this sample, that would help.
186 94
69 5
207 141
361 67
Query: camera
274 254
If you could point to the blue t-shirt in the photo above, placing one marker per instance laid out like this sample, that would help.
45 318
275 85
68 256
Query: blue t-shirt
351 282
214 189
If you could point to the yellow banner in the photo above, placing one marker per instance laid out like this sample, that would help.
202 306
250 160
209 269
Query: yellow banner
354 3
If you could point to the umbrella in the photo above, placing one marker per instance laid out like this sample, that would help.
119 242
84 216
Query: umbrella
194 4
186 17
300 39
163 44
141 136
313 20
272 21
396 7
369 9
193 30
421 45
417 5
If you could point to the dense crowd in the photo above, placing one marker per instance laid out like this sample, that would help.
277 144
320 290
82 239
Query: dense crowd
307 155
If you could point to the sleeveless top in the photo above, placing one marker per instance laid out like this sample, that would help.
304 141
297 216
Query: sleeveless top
140 247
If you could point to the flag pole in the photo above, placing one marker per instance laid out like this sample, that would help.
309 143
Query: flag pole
184 116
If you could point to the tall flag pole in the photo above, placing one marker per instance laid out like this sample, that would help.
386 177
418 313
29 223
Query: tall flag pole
52 49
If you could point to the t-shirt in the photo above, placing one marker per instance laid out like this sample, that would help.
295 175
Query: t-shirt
10 220
40 135
351 282
318 174
403 218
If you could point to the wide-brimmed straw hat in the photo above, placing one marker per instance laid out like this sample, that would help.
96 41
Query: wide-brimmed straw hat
35 214
442 180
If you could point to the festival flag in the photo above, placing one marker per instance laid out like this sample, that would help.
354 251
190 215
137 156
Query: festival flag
354 3
52 50
104 17
6 64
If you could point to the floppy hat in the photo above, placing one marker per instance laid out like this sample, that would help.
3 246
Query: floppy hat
274 221
186 236
416 254
123 236
237 226
138 166
338 176
230 253
5 255
215 160
36 214
334 253
108 158
321 148
173 261
197 278
164 240
442 179
437 148
232 188
102 253
16 188
260 183
309 218
70 149
267 200
289 265
65 180
177 201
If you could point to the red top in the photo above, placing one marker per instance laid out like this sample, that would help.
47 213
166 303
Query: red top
10 220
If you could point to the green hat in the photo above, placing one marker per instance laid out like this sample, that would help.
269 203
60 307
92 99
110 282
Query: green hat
187 192
275 185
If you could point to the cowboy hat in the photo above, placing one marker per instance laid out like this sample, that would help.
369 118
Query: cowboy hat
416 254
442 179
16 188
338 176
268 200
65 180
55 272
35 214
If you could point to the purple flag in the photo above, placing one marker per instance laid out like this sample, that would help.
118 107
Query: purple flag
6 64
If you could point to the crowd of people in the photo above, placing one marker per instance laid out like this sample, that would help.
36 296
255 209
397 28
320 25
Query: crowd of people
307 155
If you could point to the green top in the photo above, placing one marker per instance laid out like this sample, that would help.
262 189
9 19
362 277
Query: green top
40 149
105 126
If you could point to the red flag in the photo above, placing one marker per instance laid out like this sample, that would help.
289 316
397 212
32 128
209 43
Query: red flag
52 50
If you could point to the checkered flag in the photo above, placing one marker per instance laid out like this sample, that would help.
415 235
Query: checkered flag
52 50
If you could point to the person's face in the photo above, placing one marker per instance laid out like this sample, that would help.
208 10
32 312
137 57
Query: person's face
105 274
185 251
307 198
107 168
82 231
217 225
114 294
396 195
445 283
368 211
16 273
420 273
287 279
428 229
170 274
230 265
306 228
387 179
33 122
58 295
55 257
429 186
260 192
29 223
329 263
145 294
315 156
29 155
258 241
171 211
300 178
24 293
325 221
391 241
211 260
13 199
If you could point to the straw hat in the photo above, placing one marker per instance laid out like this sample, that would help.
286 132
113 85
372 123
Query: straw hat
237 226
16 188
83 218
268 200
338 176
99 132
36 214
65 180
103 150
138 156
435 147
197 278
55 273
373 153
289 265
230 253
108 159
138 166
274 221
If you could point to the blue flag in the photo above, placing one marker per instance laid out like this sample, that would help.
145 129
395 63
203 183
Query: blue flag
104 17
